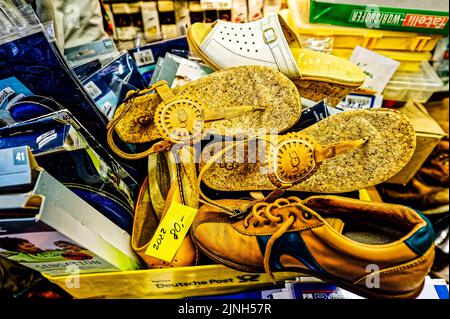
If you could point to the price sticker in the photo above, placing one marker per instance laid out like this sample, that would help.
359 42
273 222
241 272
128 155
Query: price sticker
171 232
144 57
16 166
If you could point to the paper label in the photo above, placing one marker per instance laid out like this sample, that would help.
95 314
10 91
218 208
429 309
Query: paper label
15 169
107 104
255 9
208 4
364 195
239 11
377 68
169 31
171 232
360 101
46 138
93 90
66 118
144 57
396 19
186 74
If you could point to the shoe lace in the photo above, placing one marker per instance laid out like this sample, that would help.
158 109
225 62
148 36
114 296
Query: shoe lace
262 214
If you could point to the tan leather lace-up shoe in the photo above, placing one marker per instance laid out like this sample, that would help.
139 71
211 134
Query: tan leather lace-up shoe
373 249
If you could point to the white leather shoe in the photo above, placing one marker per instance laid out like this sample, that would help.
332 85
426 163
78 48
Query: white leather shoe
271 42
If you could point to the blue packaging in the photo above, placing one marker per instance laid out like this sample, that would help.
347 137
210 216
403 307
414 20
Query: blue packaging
311 116
84 71
146 56
37 63
11 90
59 145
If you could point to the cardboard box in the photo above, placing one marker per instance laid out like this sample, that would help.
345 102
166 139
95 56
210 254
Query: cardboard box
47 213
70 154
428 133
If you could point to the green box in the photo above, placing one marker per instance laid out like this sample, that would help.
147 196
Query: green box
409 15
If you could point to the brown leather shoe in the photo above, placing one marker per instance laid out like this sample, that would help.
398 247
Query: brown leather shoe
436 169
428 190
373 249
417 194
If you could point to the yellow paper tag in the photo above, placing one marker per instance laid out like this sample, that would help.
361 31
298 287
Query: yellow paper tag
171 231
364 195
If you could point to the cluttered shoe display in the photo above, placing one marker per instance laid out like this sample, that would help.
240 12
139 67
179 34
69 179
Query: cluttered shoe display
276 153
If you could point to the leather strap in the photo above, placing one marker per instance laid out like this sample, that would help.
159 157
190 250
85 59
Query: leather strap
211 114
332 150
179 177
160 87
206 167
274 38
170 100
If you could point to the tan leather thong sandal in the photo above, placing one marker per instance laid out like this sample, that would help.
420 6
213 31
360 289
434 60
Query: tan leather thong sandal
237 101
271 42
346 152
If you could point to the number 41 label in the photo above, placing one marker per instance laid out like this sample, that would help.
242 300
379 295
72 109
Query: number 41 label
171 232
20 156
16 165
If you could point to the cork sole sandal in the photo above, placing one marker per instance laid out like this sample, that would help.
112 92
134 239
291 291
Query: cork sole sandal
271 42
236 102
345 152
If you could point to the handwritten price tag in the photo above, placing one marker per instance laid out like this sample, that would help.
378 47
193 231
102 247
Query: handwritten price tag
171 232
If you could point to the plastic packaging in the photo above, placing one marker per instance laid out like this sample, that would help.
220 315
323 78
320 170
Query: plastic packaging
147 55
409 61
178 282
417 86
429 17
15 18
109 86
322 44
39 66
346 37
102 50
182 16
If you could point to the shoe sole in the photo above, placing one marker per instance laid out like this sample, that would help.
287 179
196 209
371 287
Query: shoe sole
311 88
370 294
221 90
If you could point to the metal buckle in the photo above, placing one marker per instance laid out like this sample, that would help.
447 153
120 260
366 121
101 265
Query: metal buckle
266 40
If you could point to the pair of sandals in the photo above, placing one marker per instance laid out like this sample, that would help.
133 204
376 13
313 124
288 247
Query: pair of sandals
257 105
342 153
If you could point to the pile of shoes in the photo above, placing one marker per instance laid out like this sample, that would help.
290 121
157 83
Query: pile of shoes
428 190
269 197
